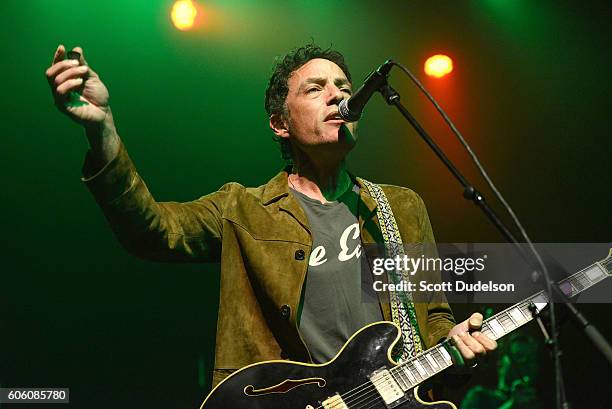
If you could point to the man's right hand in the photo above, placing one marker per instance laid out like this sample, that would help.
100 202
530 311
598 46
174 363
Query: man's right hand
88 105
65 76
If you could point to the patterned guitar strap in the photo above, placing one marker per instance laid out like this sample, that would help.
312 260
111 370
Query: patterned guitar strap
402 305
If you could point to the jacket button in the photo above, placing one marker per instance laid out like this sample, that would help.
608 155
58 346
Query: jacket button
285 311
299 254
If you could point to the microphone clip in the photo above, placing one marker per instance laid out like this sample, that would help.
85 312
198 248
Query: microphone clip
350 109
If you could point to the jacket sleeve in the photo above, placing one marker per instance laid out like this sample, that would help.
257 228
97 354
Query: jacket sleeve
440 317
160 231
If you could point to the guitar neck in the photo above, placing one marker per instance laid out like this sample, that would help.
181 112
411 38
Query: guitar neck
433 361
519 314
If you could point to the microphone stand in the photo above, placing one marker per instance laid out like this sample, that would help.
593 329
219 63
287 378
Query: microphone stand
470 193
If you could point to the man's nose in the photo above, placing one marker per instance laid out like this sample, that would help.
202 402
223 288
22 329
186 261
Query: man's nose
335 96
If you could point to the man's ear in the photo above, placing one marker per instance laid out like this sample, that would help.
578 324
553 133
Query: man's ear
279 126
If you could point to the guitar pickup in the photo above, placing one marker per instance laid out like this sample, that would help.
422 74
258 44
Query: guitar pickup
388 389
333 402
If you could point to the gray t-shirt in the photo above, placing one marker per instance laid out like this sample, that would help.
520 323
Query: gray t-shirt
333 304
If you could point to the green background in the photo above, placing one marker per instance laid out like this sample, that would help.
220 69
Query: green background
530 90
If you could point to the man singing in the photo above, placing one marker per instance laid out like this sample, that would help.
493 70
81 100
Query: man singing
290 250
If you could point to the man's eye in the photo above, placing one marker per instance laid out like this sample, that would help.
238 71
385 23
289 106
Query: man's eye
348 91
310 90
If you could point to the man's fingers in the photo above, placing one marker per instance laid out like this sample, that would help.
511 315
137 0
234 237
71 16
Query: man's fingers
488 343
70 73
470 324
469 341
83 61
465 351
82 57
461 327
476 347
69 85
475 321
60 54
61 68
58 67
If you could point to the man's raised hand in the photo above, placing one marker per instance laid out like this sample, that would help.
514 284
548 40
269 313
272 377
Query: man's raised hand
90 105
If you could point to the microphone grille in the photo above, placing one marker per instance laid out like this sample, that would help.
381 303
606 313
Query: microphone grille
345 112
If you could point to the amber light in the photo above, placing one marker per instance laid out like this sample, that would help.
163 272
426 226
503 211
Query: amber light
183 14
438 66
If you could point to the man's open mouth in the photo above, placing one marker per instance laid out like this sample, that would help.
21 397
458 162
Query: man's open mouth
333 116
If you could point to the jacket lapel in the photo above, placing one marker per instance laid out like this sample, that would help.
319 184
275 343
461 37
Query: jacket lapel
277 191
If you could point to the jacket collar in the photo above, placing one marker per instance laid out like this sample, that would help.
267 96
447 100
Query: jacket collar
277 191
277 188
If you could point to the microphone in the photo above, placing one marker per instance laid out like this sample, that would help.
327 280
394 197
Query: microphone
350 109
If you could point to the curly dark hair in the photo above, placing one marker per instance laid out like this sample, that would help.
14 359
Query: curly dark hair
278 87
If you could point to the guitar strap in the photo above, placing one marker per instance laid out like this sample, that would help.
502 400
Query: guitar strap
402 306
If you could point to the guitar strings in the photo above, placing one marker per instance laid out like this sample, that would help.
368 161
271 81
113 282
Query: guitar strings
375 392
364 401
360 399
368 388
359 393
349 396
371 403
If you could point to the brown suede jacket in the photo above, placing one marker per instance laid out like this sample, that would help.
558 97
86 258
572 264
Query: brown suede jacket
262 238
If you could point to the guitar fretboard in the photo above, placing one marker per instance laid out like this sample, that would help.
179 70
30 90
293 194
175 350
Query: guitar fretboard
433 361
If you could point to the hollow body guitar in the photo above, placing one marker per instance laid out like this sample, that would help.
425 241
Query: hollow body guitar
286 384
362 375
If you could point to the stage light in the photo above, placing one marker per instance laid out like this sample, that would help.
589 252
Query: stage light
438 66
183 14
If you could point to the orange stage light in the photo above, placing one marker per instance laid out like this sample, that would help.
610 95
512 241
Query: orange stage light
438 66
183 14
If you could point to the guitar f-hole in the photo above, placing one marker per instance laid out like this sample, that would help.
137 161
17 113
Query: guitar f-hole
283 387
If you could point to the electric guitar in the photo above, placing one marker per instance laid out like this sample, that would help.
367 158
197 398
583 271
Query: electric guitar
362 375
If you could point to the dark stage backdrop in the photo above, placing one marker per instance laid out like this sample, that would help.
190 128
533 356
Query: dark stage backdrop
530 90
